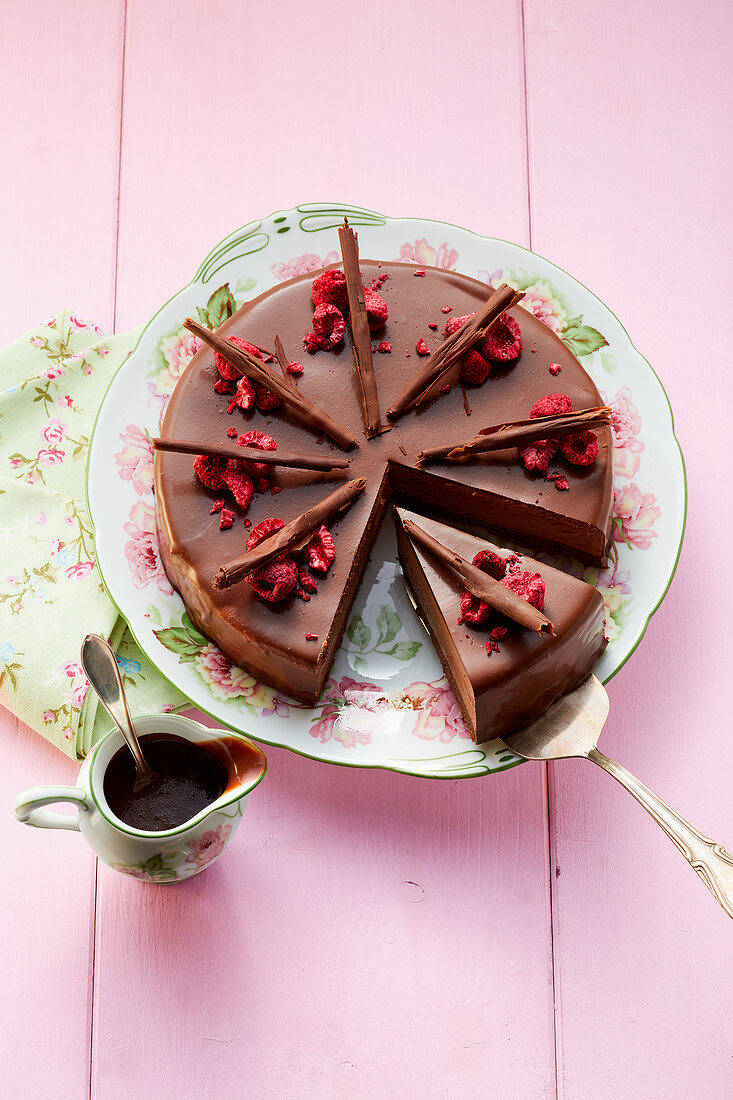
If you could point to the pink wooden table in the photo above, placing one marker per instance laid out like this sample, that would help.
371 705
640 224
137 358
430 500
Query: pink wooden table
531 935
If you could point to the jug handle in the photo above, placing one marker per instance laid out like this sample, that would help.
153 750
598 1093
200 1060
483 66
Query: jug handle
29 807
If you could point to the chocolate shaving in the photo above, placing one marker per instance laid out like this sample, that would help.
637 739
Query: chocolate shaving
500 300
480 584
360 335
519 433
283 361
292 459
293 536
303 409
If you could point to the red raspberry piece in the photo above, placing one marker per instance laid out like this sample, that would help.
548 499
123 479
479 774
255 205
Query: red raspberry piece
329 325
232 432
503 342
432 325
489 562
529 586
226 519
454 323
223 387
554 368
489 649
418 272
216 507
555 404
262 442
263 530
581 449
446 309
262 485
384 348
376 283
537 456
473 609
421 347
209 470
274 581
311 637
445 388
561 483
294 368
320 551
238 484
376 309
310 584
244 398
310 343
265 399
226 370
330 289
497 633
474 368
276 489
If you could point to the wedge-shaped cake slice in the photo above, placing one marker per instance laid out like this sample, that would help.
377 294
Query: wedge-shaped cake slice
502 688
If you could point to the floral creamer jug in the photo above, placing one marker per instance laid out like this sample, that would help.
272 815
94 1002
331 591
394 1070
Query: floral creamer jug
169 855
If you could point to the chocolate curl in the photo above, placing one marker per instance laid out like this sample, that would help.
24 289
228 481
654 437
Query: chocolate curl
303 409
283 361
500 300
291 459
360 334
292 536
519 433
480 584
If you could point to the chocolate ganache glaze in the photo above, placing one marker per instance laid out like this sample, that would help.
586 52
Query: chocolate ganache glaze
493 490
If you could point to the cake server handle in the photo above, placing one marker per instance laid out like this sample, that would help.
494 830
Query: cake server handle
712 862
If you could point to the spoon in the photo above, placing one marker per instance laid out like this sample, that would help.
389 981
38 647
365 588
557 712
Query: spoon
100 664
571 727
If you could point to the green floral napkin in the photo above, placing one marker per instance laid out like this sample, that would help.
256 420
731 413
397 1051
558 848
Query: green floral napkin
52 382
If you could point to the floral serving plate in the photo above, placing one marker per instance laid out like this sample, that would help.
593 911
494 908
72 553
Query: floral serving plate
387 703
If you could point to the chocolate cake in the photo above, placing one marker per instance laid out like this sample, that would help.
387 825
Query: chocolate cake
291 644
522 672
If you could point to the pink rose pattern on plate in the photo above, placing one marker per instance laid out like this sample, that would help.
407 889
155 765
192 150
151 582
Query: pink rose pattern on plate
349 711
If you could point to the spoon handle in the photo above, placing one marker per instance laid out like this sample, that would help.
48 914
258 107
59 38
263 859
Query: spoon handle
100 664
712 862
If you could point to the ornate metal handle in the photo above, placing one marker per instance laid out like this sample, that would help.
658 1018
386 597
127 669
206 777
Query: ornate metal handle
712 862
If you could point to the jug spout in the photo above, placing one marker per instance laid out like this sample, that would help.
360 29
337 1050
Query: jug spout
245 765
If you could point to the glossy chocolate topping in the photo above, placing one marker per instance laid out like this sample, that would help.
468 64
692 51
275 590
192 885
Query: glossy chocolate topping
495 491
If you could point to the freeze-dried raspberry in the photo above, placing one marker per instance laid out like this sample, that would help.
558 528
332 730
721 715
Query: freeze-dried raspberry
310 343
328 324
274 581
320 551
294 368
226 519
454 323
262 442
330 289
445 388
384 348
432 325
554 368
226 370
209 470
265 399
311 637
221 386
537 456
262 484
376 283
503 342
310 584
489 562
421 347
446 309
216 507
529 586
561 483
276 489
473 609
555 404
497 633
244 398
376 309
419 271
232 432
581 449
474 368
263 530
238 483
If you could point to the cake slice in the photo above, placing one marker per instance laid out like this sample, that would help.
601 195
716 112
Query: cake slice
522 672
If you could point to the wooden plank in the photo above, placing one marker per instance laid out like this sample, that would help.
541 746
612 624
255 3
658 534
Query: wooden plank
629 187
46 932
366 934
60 71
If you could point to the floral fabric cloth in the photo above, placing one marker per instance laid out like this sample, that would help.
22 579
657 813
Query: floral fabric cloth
52 381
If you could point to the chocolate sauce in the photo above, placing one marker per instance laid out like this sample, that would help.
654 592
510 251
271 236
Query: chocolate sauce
188 778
